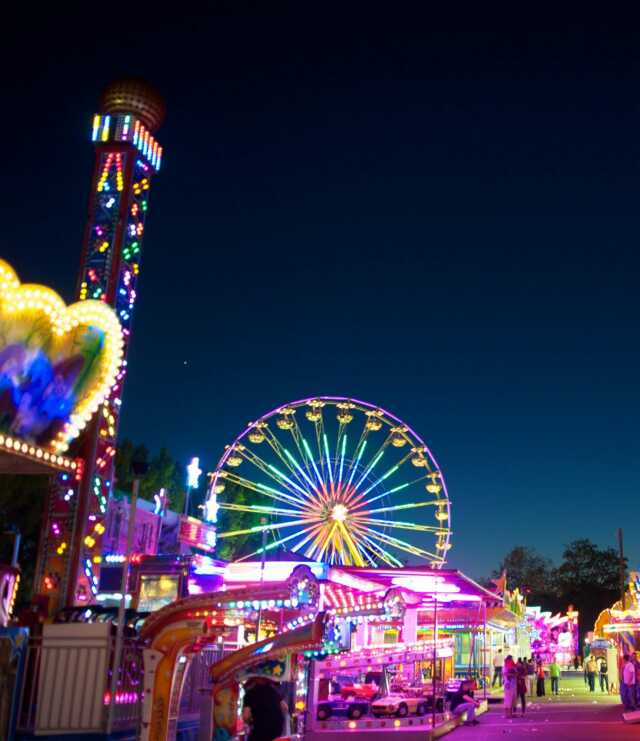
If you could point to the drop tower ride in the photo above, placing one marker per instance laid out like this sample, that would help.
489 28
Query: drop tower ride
127 156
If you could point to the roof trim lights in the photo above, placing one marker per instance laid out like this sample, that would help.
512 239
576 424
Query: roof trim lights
425 584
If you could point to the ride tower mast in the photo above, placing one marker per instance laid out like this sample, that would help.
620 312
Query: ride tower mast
127 156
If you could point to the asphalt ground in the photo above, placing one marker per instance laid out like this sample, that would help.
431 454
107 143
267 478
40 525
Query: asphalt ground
574 715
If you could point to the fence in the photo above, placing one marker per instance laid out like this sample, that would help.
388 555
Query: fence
66 683
198 679
65 686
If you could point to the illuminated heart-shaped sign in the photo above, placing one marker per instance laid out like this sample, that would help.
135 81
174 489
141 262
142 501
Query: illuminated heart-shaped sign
57 362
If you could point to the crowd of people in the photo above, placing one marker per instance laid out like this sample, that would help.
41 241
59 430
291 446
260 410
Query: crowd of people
517 680
520 679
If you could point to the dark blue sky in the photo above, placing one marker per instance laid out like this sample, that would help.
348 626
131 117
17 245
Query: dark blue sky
441 223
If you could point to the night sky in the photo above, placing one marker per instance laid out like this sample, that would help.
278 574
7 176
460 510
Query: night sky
442 223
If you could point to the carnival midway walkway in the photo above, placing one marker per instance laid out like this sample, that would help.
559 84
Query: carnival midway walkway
575 715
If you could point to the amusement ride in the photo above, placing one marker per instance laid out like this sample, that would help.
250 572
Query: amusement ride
336 480
338 509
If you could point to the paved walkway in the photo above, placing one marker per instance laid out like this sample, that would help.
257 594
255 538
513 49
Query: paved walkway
575 715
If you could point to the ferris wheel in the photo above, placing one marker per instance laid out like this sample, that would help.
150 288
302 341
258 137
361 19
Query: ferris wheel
335 480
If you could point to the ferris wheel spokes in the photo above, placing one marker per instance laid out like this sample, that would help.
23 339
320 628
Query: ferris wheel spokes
403 525
263 489
396 507
300 442
280 451
384 477
269 547
243 453
377 549
402 545
328 490
261 528
259 509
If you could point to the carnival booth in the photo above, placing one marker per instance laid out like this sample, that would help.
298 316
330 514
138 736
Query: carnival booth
341 642
617 629
554 637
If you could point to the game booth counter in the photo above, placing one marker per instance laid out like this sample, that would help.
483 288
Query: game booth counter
348 653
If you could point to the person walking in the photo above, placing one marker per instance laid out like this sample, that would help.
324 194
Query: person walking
498 664
628 684
510 685
554 673
604 675
592 669
540 679
521 679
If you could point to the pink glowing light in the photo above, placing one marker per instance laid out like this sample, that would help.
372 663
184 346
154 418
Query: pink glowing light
250 571
425 584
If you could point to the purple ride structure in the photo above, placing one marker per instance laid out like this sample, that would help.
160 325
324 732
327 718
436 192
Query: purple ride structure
336 480
127 158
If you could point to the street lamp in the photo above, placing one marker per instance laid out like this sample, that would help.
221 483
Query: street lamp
263 523
139 470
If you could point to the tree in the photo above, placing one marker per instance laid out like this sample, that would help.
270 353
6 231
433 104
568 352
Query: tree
589 579
529 571
22 503
164 473
229 549
126 453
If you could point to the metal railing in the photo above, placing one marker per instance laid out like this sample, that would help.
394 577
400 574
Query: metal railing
66 688
129 694
199 680
69 691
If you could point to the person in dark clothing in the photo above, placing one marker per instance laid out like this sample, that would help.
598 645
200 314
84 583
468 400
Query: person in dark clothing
263 711
521 679
463 701
592 669
604 676
540 679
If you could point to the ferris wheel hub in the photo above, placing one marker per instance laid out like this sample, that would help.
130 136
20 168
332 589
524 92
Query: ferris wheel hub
339 513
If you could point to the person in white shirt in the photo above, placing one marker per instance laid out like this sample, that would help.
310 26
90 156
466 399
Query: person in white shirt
628 684
498 663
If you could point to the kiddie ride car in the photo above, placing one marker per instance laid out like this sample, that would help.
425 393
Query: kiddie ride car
400 704
352 708
403 700
351 701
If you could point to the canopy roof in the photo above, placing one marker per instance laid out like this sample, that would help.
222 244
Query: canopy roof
421 585
446 586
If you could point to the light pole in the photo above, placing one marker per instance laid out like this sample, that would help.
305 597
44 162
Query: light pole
139 469
435 658
263 522
622 570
